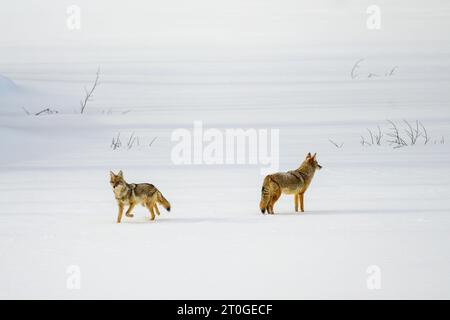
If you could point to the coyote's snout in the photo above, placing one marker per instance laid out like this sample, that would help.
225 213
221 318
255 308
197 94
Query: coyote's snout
132 194
292 182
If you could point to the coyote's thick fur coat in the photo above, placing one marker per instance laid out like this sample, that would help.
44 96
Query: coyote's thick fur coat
132 194
292 182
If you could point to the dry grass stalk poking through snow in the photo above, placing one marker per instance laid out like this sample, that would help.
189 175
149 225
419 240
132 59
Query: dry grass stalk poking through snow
132 141
375 138
398 137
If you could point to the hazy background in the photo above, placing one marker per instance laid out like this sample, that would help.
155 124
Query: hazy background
211 23
209 54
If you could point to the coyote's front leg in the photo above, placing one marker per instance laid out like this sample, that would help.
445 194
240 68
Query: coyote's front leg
119 217
296 202
128 213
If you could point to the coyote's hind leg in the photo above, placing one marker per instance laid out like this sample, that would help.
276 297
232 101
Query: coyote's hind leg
274 199
301 196
156 209
150 208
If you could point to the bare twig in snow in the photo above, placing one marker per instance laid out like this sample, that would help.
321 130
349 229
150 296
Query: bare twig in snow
391 73
151 142
378 136
89 94
26 111
353 73
337 145
46 111
364 142
412 132
116 143
425 133
396 140
132 140
371 137
374 138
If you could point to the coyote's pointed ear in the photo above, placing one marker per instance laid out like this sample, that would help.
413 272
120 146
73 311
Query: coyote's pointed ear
314 156
112 174
120 174
308 155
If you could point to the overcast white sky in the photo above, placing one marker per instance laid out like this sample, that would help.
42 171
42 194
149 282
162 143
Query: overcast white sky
220 23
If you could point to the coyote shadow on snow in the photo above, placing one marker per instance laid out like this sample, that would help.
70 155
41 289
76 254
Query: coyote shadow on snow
361 211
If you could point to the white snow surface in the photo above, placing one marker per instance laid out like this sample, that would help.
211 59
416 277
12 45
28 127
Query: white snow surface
368 206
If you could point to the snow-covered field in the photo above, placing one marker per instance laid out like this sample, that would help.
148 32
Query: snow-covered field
370 208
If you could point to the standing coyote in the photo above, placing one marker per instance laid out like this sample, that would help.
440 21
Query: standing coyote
132 194
292 182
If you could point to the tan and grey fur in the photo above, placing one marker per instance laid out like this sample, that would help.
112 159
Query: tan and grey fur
294 182
131 194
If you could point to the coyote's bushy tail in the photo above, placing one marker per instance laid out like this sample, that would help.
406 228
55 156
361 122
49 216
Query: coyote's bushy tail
163 201
265 195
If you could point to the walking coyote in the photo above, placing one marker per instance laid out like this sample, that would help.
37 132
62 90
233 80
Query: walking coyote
132 194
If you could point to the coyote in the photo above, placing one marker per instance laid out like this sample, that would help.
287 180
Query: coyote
292 182
132 194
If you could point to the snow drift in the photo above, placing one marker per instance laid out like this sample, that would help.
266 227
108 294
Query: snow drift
7 85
